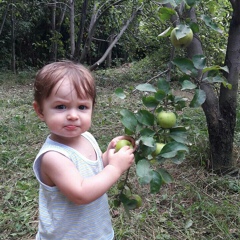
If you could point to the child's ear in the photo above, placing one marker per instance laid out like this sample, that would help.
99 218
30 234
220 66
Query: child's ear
38 110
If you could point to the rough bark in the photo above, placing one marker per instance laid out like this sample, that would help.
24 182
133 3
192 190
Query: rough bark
220 111
228 98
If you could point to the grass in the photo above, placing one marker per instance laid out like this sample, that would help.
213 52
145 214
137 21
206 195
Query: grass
197 205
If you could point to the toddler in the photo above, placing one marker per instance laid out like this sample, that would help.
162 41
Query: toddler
73 174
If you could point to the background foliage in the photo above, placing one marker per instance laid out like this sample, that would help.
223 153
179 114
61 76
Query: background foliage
198 204
34 37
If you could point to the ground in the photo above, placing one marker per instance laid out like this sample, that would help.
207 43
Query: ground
197 205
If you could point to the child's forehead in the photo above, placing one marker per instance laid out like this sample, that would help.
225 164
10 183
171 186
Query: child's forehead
66 87
63 86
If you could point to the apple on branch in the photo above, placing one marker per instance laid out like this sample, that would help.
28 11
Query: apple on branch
158 149
166 119
181 41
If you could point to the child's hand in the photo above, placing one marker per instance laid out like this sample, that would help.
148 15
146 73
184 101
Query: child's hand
121 160
112 145
114 141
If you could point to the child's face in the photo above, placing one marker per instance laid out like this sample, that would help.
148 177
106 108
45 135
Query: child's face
66 115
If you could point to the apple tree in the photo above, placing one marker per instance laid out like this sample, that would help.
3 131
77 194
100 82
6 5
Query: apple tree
214 83
198 67
158 136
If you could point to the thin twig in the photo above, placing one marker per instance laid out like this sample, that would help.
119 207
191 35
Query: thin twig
158 75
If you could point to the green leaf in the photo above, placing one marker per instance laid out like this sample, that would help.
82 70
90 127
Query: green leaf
128 132
227 85
146 87
147 141
179 134
166 177
209 22
120 93
166 13
194 26
147 150
145 117
225 68
147 137
150 101
129 204
191 2
199 61
128 120
170 149
147 132
215 79
178 99
179 103
188 224
212 68
198 98
160 95
144 171
182 30
166 33
188 85
172 2
185 65
156 182
179 158
163 86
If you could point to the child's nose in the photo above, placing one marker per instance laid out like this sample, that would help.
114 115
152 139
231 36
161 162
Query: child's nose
72 115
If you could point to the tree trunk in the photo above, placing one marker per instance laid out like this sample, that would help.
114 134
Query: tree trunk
54 40
4 18
72 28
81 29
63 7
91 31
13 37
109 56
222 140
98 12
221 112
95 65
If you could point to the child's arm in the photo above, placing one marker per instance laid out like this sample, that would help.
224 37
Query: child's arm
57 170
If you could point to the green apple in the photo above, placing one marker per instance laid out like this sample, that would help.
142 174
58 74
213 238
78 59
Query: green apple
120 185
181 42
122 143
158 149
138 200
166 119
127 191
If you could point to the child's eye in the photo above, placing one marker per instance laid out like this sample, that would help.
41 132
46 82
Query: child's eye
82 107
60 107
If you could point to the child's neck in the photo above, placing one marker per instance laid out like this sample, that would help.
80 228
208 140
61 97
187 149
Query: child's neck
80 144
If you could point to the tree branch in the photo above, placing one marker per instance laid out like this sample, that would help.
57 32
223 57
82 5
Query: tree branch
134 14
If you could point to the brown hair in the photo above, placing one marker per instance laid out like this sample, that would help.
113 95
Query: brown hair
51 74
